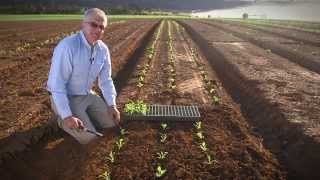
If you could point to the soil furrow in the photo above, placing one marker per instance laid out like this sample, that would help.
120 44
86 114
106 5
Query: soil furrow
267 87
304 55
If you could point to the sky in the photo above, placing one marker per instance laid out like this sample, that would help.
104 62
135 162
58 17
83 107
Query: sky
302 10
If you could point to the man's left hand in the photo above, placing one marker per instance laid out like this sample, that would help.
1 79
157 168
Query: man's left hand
114 112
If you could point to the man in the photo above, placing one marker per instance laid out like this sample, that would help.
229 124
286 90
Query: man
76 63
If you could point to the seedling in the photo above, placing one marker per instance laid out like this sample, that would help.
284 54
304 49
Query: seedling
120 143
215 99
200 135
162 155
163 138
197 125
160 171
164 126
210 160
140 84
106 175
123 132
203 146
111 157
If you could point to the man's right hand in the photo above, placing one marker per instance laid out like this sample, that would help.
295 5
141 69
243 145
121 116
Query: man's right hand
73 122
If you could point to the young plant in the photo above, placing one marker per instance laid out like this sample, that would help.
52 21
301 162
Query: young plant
111 157
197 125
120 143
123 132
163 138
140 84
164 126
162 155
105 175
160 171
210 160
203 146
215 99
200 135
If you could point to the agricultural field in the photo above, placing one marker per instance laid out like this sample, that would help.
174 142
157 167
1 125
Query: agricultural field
257 88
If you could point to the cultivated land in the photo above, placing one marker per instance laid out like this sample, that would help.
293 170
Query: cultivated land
257 86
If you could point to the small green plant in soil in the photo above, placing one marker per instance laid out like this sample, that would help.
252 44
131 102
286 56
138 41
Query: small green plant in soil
111 157
105 175
160 171
197 125
163 138
162 155
164 126
200 135
210 160
120 143
203 146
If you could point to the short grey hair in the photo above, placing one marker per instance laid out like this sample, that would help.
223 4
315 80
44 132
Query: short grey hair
95 13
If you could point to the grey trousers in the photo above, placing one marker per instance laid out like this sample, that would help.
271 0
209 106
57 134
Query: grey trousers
91 110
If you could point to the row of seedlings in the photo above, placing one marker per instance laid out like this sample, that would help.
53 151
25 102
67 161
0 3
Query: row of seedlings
114 154
52 40
171 69
139 107
151 54
211 88
162 155
210 160
131 107
210 85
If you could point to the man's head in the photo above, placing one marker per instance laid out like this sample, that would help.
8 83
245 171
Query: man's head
93 25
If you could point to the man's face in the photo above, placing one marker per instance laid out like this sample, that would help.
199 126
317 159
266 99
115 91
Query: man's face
93 29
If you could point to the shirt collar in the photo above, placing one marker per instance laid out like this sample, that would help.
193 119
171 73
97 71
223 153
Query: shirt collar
84 40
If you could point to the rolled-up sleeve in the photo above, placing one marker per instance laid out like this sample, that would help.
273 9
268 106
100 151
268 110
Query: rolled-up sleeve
106 83
60 72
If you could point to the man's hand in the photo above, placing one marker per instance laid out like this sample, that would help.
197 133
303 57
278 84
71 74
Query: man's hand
115 114
73 122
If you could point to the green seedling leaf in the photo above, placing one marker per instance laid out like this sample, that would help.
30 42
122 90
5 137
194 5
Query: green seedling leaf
200 135
163 138
111 157
105 175
164 126
197 125
162 155
210 160
120 143
203 146
123 132
215 99
160 171
140 84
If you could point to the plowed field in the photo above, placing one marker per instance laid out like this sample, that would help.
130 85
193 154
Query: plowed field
258 91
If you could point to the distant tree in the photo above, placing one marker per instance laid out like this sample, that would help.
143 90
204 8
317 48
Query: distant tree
245 16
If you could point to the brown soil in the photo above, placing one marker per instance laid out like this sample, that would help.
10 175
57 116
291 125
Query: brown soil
238 152
280 97
270 134
302 36
303 54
